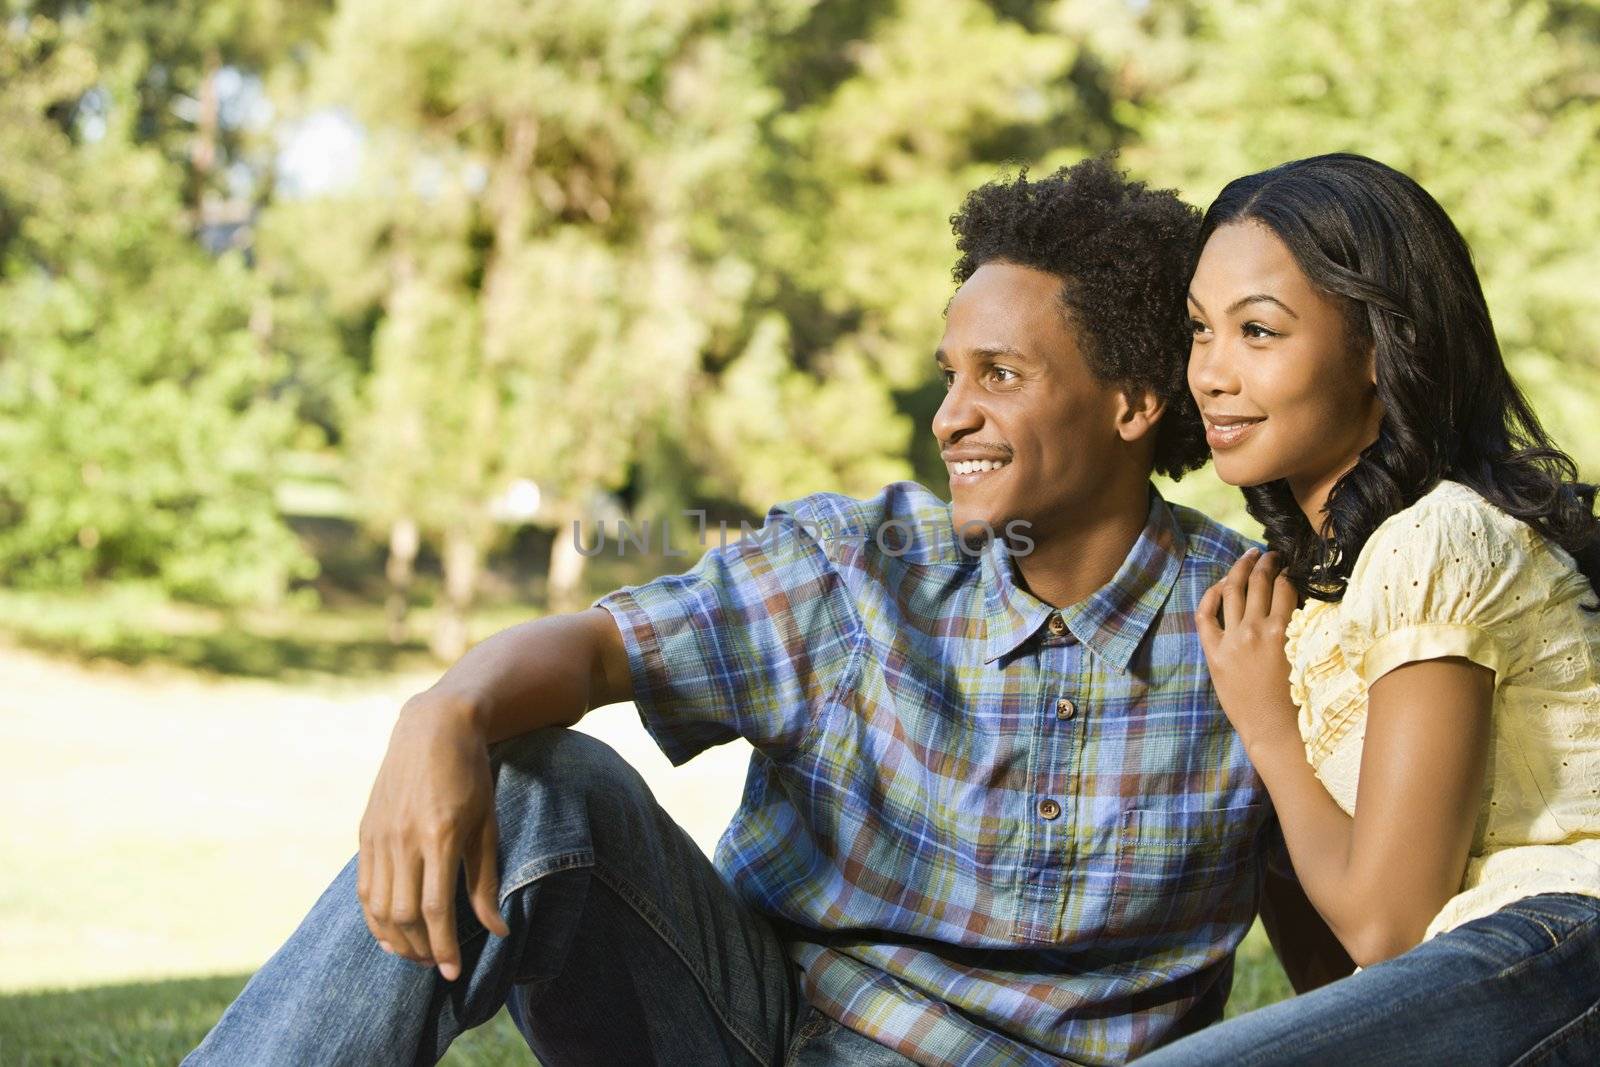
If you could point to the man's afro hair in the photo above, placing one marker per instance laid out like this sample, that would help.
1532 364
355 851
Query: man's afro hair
1124 253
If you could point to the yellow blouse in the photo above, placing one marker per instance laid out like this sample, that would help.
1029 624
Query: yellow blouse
1453 575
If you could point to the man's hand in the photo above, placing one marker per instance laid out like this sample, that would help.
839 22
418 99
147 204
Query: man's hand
432 806
431 810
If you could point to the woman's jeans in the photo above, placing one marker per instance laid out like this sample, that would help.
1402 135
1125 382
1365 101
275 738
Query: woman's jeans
1520 986
626 946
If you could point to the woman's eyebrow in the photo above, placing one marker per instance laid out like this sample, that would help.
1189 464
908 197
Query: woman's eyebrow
1260 298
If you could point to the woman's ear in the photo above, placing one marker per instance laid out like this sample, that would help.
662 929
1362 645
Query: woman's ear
1138 411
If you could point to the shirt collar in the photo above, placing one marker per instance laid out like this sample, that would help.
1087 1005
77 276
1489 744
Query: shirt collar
1111 621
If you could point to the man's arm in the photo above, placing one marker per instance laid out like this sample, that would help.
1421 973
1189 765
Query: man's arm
548 672
1309 952
432 805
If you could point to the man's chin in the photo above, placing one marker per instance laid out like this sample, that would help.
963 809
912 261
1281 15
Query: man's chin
977 526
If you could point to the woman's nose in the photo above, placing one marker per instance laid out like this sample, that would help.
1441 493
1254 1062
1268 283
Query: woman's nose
1210 370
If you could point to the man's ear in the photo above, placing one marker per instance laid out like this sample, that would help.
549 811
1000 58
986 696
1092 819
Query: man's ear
1138 411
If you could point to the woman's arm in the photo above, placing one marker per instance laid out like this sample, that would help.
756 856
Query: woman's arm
1308 951
1378 878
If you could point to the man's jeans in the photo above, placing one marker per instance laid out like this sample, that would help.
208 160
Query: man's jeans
1518 987
626 947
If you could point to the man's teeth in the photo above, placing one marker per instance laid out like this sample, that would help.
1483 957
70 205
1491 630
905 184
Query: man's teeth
973 466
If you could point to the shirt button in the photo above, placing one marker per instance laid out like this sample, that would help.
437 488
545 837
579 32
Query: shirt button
1049 809
1065 709
1058 625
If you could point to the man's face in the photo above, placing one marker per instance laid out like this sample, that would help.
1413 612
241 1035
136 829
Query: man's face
1024 427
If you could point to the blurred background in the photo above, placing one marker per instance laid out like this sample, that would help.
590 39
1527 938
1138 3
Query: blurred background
322 321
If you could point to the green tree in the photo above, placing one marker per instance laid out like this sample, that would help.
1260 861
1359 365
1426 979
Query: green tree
1493 107
890 113
138 423
544 292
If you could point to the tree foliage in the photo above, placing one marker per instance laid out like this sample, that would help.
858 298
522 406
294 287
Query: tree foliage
1492 106
688 252
138 425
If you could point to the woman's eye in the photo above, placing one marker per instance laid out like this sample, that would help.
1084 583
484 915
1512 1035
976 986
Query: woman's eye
1196 326
1257 331
949 377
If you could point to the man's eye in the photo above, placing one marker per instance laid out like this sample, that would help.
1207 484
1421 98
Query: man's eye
949 377
1256 330
1006 371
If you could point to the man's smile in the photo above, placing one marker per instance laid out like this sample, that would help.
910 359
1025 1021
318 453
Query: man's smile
968 467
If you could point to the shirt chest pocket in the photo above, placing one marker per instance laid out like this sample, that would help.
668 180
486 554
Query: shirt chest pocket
1176 869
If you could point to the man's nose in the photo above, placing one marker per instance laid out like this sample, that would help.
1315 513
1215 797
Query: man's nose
957 415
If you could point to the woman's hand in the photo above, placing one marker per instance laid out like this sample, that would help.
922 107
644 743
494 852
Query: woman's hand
431 809
1245 650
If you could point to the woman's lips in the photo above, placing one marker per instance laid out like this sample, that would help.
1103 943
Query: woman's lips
1228 432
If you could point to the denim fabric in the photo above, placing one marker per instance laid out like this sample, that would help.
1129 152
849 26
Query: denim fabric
626 946
1517 987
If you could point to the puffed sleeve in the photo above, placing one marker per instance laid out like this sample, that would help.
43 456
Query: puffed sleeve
1445 577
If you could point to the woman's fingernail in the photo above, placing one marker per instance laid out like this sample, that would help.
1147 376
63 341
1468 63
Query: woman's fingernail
386 947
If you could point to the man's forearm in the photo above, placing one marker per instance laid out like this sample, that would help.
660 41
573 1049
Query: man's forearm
548 672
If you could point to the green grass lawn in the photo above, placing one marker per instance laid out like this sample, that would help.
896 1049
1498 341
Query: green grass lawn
294 643
157 1023
183 808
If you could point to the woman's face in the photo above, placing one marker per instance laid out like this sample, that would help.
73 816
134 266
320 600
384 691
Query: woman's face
1283 391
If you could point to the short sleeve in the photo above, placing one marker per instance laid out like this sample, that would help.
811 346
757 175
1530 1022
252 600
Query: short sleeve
1442 578
747 643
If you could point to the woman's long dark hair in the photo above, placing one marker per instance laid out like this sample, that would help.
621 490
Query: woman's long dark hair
1377 241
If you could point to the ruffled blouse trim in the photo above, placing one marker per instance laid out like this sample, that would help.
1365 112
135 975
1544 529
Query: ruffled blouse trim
1320 668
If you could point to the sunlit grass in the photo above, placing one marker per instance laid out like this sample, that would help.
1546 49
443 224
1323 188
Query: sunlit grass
298 640
173 822
157 1023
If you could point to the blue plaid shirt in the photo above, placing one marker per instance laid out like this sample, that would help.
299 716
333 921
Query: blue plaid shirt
993 832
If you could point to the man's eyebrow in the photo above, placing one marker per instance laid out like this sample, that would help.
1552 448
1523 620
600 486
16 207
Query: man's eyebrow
1003 352
988 352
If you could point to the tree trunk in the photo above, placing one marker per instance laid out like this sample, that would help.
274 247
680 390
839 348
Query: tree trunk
462 560
203 150
564 586
400 569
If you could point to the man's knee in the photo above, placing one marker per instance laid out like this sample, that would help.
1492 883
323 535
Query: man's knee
564 761
563 798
